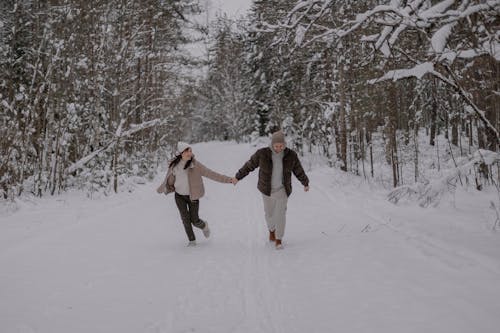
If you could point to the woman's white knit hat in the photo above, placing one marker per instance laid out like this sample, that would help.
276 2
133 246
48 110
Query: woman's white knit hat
181 146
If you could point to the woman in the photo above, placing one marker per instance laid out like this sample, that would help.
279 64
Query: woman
184 177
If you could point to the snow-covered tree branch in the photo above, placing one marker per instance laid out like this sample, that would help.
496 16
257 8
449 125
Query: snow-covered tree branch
452 35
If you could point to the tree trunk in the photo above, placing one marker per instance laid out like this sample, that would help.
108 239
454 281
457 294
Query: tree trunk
342 119
415 159
433 124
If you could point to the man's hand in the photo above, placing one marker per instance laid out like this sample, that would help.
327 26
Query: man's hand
306 188
234 180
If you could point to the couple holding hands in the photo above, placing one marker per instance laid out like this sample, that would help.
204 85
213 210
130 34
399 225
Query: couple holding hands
276 164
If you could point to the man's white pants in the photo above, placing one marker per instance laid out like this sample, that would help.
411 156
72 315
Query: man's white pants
275 211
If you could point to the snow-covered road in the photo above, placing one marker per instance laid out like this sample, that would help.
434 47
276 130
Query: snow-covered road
352 262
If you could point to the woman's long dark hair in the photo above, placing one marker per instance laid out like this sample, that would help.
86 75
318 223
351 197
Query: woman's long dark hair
176 161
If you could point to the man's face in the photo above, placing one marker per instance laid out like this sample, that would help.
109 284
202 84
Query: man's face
278 147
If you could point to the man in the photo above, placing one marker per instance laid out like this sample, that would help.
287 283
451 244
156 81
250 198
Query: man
276 164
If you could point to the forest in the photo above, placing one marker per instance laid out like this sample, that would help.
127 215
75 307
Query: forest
95 92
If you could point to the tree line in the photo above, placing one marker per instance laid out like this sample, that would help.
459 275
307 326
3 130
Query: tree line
340 74
93 92
90 91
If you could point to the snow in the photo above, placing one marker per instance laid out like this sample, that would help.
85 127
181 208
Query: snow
119 133
493 48
371 38
489 5
299 35
353 262
71 108
382 42
432 192
440 38
418 71
300 5
437 9
82 63
233 8
81 162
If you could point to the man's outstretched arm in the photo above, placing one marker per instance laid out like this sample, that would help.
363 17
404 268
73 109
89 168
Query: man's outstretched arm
248 167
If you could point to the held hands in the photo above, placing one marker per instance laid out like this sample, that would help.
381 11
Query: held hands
235 181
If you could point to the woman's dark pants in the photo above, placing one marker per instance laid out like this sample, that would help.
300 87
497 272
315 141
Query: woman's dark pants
189 214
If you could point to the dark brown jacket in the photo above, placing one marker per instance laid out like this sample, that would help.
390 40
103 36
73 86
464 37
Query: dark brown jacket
263 160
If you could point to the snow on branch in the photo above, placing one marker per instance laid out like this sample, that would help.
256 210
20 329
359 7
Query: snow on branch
440 37
81 162
119 134
491 5
430 194
395 18
436 10
418 71
134 128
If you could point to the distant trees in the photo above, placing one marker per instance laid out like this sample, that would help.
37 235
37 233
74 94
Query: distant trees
222 95
343 75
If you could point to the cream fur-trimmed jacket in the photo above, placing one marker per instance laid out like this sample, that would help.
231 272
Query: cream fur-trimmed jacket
195 173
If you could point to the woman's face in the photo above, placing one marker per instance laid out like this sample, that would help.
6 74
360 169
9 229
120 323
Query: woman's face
187 154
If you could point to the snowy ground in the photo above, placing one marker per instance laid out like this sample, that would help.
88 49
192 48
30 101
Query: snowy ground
352 261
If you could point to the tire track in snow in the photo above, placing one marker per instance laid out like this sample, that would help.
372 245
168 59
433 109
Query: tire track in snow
450 256
257 291
427 246
350 209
